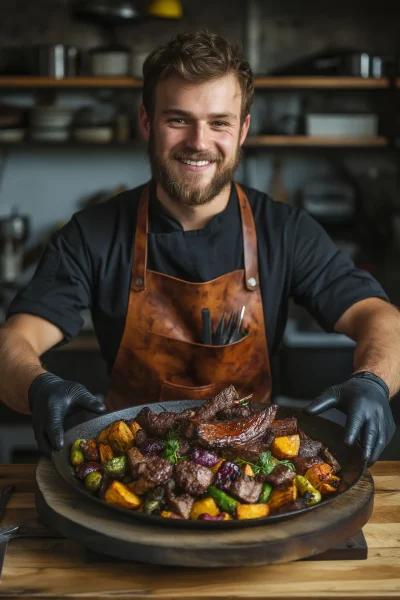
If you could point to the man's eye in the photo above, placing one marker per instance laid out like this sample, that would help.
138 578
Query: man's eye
178 121
221 124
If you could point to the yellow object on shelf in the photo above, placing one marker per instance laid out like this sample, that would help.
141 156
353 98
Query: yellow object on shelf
166 9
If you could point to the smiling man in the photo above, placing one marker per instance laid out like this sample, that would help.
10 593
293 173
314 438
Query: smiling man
148 261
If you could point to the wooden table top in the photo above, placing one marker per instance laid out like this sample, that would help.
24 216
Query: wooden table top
57 568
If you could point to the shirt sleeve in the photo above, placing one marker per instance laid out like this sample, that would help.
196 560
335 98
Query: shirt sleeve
61 286
325 280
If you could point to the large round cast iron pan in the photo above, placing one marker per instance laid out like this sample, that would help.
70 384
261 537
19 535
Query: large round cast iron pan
318 428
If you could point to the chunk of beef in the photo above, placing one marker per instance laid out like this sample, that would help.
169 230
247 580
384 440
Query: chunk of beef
250 453
193 478
281 476
268 438
221 401
330 459
224 434
157 424
155 471
303 435
135 459
303 464
282 427
141 436
182 505
90 451
246 489
309 448
235 412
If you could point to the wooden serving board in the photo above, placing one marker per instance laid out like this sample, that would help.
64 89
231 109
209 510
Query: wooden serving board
106 532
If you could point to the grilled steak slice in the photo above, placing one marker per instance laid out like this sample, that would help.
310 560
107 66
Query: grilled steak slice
309 448
182 505
331 460
155 471
282 427
303 464
251 453
193 478
223 434
213 406
281 476
135 459
159 424
235 412
246 488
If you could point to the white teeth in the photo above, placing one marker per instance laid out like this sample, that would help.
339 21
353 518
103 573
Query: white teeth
196 163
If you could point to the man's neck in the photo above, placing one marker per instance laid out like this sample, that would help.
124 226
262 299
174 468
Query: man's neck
194 217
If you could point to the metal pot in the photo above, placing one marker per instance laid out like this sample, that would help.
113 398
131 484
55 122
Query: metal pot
106 12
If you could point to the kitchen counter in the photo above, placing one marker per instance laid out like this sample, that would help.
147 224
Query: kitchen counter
57 568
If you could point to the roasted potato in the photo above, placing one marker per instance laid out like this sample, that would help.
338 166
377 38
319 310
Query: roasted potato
252 511
280 497
207 505
120 437
117 493
286 446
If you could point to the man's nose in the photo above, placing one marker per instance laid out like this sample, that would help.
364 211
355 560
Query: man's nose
198 138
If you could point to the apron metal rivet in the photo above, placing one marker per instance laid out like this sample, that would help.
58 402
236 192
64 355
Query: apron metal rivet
252 282
138 281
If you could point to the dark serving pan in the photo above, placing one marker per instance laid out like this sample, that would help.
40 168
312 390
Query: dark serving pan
329 433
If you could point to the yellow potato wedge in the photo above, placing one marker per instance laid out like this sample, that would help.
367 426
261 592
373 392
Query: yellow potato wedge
217 465
248 470
252 511
134 427
117 493
286 446
280 497
106 453
206 505
120 437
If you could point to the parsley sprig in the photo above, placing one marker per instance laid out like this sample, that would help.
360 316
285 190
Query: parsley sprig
265 464
172 447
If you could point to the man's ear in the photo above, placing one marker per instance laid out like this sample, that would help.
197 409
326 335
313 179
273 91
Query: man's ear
144 123
245 129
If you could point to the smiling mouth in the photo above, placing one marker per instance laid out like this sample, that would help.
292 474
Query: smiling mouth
196 165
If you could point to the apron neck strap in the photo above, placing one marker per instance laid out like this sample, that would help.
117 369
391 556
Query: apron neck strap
139 265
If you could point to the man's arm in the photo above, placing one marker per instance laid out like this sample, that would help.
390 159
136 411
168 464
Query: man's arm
23 339
375 327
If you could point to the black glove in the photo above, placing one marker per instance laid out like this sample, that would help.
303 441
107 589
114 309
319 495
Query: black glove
365 400
51 399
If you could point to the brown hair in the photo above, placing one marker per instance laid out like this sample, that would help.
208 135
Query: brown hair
197 57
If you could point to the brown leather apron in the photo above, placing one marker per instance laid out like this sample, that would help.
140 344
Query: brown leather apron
161 356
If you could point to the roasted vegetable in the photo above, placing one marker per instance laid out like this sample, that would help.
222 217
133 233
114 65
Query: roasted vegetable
200 456
88 467
281 497
248 470
225 502
152 447
217 465
117 493
77 457
120 437
205 506
106 453
155 500
93 481
116 467
207 517
322 479
134 427
167 514
103 435
311 495
286 446
90 450
265 493
252 511
228 472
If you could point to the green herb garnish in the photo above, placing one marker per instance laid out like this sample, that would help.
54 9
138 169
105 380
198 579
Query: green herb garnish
244 401
171 448
265 464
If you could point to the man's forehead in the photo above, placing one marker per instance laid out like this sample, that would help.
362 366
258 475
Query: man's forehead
224 89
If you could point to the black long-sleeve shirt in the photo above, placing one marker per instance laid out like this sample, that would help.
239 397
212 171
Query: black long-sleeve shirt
87 264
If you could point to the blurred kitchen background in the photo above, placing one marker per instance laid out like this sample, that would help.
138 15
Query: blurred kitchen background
324 135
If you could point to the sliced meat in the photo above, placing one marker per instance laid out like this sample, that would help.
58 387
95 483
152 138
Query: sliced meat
221 401
232 434
135 459
281 476
157 424
282 427
330 459
246 489
250 453
303 464
309 448
182 505
235 412
268 438
193 478
155 471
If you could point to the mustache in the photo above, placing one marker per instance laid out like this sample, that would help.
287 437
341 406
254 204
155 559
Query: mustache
192 156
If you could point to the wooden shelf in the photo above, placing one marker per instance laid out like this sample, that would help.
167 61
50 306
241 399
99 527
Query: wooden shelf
263 141
260 82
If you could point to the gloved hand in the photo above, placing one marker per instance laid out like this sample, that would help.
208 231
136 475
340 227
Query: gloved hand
365 400
51 399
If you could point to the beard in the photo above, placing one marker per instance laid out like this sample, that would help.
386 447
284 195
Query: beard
187 189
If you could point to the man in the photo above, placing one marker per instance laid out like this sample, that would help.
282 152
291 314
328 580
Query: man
148 261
